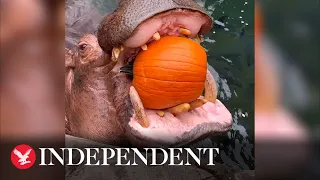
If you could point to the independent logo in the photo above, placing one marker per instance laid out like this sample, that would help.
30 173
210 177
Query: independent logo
23 156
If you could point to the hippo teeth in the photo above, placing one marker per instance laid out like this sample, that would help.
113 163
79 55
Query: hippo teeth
184 107
144 47
160 113
156 36
199 39
179 109
184 31
210 91
138 108
116 53
197 103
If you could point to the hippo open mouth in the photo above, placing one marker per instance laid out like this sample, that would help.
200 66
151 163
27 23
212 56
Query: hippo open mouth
101 102
206 117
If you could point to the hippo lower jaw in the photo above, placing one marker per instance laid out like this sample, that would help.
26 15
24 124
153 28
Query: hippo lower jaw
209 119
147 128
205 118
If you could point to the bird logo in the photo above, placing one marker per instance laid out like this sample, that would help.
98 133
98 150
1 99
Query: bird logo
23 156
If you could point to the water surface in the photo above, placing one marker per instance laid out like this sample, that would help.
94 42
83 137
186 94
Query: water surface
230 48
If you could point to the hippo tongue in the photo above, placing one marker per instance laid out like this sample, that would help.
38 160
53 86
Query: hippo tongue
168 127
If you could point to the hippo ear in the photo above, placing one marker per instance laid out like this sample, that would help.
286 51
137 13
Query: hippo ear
69 61
69 68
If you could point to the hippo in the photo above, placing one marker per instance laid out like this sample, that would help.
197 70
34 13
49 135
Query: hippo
102 106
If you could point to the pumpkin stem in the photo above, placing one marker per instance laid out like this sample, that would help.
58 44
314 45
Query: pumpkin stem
128 69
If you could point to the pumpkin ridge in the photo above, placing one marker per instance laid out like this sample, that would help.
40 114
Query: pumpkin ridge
163 91
166 68
175 46
169 80
138 88
166 75
173 61
182 55
172 71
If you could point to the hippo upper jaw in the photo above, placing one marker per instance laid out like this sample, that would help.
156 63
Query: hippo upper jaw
126 21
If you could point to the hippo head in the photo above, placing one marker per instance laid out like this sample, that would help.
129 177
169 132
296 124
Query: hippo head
102 106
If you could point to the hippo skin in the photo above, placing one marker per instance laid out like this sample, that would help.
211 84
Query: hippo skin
99 112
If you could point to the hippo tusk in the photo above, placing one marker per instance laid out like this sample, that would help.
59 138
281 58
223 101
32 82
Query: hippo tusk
179 109
184 31
210 91
144 47
197 103
160 113
156 36
138 108
116 53
199 39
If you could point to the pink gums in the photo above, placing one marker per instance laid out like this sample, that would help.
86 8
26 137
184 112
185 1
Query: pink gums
169 127
166 24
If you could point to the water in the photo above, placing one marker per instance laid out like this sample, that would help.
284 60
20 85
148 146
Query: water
230 49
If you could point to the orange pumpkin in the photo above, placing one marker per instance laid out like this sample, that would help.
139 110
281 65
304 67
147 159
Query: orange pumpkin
171 72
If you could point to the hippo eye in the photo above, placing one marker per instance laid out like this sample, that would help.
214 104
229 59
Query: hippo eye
82 47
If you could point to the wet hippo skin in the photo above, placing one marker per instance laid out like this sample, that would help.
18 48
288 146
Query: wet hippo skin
98 105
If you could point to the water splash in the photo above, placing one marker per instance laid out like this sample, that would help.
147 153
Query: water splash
207 39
